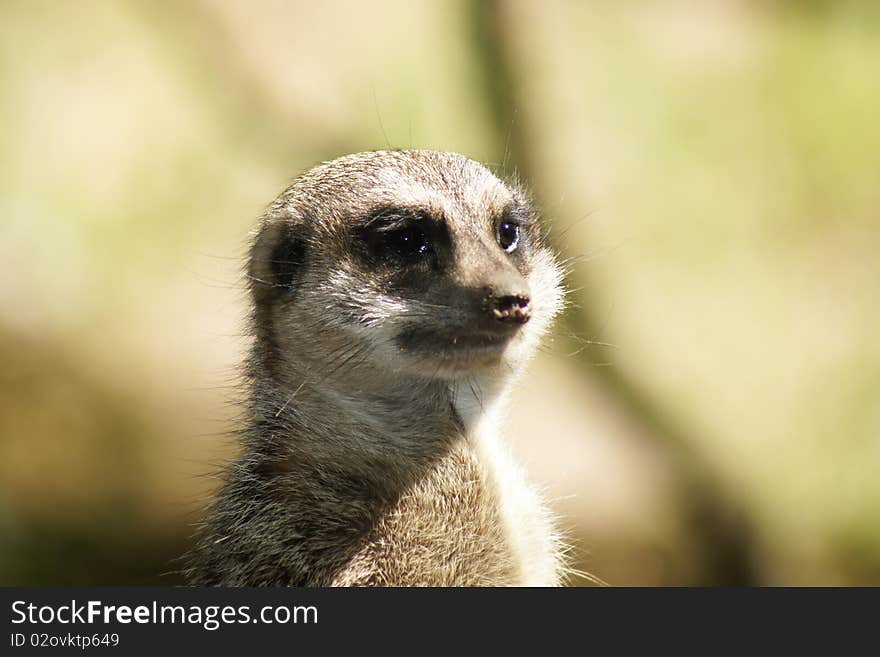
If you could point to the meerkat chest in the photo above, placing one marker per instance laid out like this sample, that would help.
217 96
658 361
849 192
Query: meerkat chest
461 525
526 520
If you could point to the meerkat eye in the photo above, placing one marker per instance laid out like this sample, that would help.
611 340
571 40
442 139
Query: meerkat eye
508 235
401 237
408 241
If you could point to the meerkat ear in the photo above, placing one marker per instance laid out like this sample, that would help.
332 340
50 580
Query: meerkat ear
277 258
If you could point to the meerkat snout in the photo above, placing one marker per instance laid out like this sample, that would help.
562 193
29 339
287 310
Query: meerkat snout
509 309
506 301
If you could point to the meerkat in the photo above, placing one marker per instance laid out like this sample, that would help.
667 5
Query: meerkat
396 297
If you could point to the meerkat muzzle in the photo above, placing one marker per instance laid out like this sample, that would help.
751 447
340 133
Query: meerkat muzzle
510 309
506 310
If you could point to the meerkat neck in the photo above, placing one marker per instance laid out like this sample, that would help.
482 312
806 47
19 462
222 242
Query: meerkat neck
370 425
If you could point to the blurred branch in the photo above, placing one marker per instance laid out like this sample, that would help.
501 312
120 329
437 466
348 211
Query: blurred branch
717 524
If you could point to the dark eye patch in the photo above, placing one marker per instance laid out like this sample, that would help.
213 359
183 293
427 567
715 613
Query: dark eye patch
401 236
286 260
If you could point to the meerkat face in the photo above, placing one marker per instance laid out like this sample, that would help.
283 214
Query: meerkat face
417 261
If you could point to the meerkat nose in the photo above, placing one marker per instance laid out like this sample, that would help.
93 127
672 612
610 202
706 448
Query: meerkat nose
509 308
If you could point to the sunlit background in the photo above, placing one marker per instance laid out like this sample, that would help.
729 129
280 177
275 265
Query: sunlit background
709 409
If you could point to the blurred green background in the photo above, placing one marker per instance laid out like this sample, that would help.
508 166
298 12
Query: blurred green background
709 410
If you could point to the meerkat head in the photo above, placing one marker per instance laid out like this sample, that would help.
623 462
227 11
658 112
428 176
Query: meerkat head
409 262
